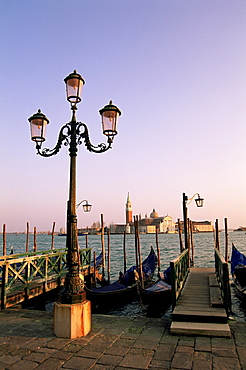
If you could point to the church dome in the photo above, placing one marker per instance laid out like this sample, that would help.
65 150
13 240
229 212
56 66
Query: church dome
154 214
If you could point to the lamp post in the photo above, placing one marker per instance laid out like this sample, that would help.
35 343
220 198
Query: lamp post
73 134
186 202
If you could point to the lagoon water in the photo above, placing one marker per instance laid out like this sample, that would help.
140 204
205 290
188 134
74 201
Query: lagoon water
168 244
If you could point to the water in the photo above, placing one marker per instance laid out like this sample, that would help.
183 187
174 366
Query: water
169 249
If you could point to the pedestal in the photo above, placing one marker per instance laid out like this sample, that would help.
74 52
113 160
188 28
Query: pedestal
72 320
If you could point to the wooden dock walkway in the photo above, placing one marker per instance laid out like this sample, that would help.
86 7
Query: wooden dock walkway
199 309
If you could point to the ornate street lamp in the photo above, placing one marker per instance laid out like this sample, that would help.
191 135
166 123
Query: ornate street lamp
73 134
186 202
86 206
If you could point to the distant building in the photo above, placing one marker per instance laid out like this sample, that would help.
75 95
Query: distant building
164 224
128 210
199 226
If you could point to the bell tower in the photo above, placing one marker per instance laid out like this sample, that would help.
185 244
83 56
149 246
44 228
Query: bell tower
128 210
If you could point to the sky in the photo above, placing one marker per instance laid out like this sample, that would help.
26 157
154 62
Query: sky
177 71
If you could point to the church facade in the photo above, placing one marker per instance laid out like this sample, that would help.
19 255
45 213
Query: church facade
146 225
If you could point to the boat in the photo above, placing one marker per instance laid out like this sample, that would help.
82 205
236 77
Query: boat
158 293
238 270
126 286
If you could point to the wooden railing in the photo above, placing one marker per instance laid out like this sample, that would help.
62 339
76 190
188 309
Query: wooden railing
20 272
179 272
222 272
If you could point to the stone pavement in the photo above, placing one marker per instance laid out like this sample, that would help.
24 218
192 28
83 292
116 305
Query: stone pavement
115 342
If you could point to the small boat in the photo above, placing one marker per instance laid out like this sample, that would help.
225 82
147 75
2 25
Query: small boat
159 293
238 270
126 286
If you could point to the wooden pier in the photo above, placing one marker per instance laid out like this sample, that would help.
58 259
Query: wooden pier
200 308
29 275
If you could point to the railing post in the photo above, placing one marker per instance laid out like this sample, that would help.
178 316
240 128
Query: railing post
4 284
173 284
222 273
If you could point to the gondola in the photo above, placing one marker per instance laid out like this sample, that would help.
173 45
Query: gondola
159 293
238 271
126 286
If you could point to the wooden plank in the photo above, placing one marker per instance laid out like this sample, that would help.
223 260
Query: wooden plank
213 280
205 329
215 297
218 312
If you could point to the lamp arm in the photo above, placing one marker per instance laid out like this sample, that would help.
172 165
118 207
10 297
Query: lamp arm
77 205
191 199
82 133
62 138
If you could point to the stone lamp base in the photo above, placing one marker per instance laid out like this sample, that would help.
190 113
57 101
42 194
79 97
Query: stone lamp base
72 320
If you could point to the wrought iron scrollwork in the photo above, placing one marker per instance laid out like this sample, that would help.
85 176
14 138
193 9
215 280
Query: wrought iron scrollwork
82 135
63 138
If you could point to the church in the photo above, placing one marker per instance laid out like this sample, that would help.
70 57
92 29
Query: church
146 225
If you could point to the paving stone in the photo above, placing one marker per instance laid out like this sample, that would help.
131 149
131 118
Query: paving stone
36 356
141 351
110 360
202 344
7 359
202 361
58 343
80 363
120 351
165 352
50 351
23 365
81 341
21 352
124 342
222 343
169 339
102 367
199 364
146 344
71 347
2 366
135 362
225 363
34 344
224 352
242 356
157 364
6 348
62 355
85 352
182 360
184 349
50 363
190 342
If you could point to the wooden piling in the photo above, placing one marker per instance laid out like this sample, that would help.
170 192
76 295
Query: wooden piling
192 245
103 246
226 241
86 241
139 254
136 240
34 239
27 236
52 236
124 251
94 270
108 256
188 239
4 240
180 236
158 251
217 242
